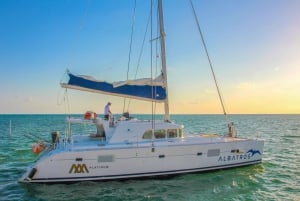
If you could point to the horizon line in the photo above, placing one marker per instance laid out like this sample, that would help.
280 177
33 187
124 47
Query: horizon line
155 114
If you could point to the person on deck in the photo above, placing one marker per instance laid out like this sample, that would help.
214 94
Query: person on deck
107 111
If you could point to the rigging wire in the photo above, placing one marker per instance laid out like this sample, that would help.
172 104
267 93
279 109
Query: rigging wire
140 55
130 48
209 60
151 64
151 60
64 98
68 133
66 103
153 88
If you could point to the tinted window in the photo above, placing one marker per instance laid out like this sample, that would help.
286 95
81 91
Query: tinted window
172 133
159 133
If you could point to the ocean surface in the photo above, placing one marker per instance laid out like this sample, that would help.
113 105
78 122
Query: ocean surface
276 178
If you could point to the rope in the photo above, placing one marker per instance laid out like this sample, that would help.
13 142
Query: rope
209 60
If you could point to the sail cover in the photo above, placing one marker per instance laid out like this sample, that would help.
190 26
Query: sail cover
130 89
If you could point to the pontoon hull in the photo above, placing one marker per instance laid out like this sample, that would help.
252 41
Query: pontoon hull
135 161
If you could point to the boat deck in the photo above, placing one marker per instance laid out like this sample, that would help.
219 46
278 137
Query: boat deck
87 142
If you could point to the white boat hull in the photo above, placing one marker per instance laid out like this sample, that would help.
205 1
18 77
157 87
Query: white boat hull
107 163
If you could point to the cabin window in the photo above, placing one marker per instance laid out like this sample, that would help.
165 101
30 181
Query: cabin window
158 134
161 133
147 134
172 133
180 133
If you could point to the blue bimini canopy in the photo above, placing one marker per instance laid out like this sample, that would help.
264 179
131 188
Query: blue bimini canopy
131 89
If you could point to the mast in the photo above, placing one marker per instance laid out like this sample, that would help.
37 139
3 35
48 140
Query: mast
163 57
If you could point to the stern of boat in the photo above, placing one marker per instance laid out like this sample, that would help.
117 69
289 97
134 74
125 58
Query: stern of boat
28 175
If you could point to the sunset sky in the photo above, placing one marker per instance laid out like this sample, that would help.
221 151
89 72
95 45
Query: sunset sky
254 47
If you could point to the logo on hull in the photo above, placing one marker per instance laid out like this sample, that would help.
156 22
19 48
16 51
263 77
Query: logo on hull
253 152
78 168
239 156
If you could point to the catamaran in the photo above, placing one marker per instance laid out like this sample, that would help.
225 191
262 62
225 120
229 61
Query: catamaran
126 147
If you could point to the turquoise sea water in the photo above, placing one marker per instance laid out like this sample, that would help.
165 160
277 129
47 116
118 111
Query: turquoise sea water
276 178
